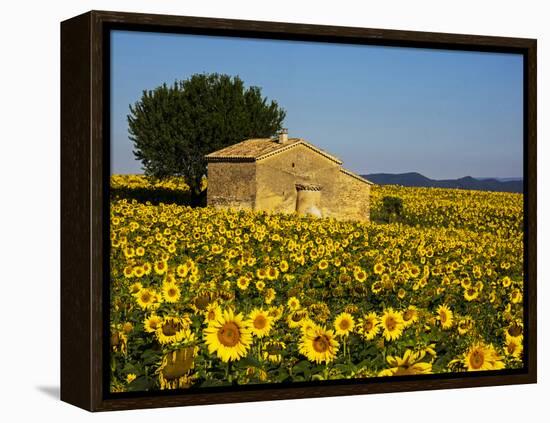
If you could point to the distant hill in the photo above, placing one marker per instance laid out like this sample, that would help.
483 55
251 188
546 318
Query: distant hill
415 179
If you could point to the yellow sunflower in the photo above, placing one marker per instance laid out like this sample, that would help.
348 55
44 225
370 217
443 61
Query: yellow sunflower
516 296
445 316
482 357
344 324
293 303
296 318
128 271
212 312
376 287
409 364
259 322
182 270
515 330
471 294
506 281
276 312
138 271
392 324
151 323
359 274
273 350
272 273
242 282
410 315
379 268
269 295
229 336
513 347
464 325
174 329
160 267
306 324
119 341
260 285
170 292
146 298
136 287
216 249
368 326
319 345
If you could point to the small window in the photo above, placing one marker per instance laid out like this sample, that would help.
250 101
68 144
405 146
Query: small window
292 164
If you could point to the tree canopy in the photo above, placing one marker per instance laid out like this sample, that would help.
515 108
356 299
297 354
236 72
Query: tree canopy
174 127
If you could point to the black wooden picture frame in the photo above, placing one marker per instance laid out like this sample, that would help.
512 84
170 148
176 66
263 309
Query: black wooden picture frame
85 54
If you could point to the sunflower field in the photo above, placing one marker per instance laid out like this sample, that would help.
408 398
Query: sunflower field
204 297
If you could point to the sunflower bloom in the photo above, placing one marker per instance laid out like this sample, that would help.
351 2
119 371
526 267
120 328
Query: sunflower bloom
319 345
229 336
170 292
260 322
344 324
392 324
445 316
482 357
368 326
409 364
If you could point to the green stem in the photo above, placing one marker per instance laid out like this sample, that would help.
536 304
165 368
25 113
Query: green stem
228 375
260 344
344 342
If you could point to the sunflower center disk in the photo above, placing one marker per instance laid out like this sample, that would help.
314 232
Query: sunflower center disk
477 359
170 328
515 330
260 322
229 334
320 344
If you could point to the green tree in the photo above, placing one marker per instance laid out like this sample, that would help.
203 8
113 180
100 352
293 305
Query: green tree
393 208
174 127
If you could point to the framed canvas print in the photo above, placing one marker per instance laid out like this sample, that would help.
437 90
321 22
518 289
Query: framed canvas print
260 210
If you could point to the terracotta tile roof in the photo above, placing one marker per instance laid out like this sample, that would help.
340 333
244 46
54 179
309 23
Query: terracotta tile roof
353 175
260 148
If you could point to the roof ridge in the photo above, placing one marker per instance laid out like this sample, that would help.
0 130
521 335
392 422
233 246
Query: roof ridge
355 175
232 153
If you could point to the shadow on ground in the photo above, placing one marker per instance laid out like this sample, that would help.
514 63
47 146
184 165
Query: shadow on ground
159 195
50 391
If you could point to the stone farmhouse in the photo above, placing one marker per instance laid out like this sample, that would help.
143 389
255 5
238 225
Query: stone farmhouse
285 175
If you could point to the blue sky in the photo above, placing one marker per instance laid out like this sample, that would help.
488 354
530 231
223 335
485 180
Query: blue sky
445 114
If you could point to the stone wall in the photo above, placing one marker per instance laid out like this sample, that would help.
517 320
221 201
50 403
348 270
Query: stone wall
352 201
277 176
231 184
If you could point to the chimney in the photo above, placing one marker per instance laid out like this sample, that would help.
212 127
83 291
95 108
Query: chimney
283 135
